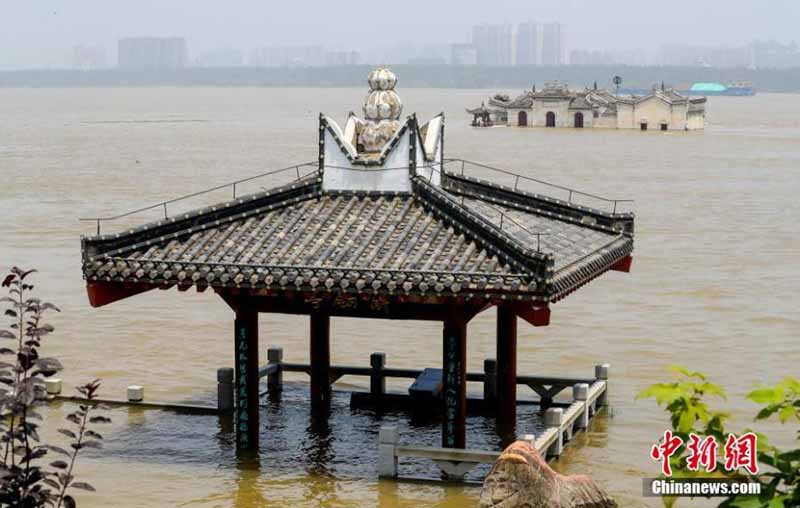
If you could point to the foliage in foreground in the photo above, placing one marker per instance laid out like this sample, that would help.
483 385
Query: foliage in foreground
779 470
25 481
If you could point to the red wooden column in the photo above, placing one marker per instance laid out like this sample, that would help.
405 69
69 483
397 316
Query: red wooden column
320 355
454 378
246 383
506 366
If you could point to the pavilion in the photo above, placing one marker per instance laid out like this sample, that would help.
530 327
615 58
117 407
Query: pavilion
381 230
483 116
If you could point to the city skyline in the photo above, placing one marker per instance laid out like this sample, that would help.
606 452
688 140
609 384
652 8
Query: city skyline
528 44
43 34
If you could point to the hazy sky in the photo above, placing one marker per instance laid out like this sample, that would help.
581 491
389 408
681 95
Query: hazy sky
42 32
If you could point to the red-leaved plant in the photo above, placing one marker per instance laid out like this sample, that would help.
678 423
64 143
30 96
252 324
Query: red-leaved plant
24 481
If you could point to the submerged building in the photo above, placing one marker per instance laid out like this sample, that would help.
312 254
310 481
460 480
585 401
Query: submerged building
558 106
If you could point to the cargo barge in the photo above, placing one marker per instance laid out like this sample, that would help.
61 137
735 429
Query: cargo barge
737 89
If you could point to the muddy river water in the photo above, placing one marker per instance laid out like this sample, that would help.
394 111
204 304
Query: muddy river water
713 286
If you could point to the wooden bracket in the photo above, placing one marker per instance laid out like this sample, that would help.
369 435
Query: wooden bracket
623 265
104 293
535 315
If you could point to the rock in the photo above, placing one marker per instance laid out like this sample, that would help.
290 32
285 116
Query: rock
522 479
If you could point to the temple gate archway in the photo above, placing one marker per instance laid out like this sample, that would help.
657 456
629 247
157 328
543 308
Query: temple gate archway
550 119
522 119
579 120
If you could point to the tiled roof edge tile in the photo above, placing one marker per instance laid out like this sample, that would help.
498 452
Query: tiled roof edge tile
539 265
189 222
581 272
313 279
541 204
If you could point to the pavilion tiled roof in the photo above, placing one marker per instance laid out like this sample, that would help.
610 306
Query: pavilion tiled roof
523 101
481 110
467 238
570 241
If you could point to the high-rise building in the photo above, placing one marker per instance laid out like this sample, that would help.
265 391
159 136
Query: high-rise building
463 54
152 53
553 47
529 44
493 44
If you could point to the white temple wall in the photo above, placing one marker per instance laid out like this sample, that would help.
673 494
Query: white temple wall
680 118
624 115
588 119
653 110
513 117
696 120
559 108
656 111
605 122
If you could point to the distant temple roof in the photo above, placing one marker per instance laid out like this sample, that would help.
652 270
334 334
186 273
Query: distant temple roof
483 110
405 228
553 89
596 98
580 101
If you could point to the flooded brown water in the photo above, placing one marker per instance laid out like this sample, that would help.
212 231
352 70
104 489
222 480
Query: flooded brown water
714 282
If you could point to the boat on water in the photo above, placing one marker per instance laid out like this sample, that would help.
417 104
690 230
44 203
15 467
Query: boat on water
701 88
738 89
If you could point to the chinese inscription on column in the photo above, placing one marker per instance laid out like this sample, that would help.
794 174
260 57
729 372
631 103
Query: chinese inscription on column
452 384
242 413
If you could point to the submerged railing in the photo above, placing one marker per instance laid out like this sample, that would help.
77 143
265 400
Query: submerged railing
561 425
546 387
469 168
295 170
300 171
505 218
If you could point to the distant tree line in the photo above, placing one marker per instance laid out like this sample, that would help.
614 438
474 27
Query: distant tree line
441 76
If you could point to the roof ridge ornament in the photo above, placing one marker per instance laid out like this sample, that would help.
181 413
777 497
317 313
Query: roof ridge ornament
380 152
382 110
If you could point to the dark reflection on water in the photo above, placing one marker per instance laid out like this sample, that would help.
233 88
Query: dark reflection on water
336 442
247 492
318 447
